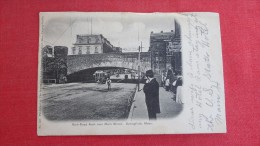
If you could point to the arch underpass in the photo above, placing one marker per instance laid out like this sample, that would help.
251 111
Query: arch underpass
86 75
82 67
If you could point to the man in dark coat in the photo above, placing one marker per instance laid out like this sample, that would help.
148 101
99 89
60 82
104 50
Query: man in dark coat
151 90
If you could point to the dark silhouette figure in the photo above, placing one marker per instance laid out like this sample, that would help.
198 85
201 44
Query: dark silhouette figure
108 82
151 90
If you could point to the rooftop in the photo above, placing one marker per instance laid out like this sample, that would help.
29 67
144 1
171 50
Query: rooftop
90 39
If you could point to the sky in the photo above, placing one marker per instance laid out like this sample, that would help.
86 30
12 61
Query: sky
121 29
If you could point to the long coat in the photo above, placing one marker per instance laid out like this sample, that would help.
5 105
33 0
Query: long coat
151 91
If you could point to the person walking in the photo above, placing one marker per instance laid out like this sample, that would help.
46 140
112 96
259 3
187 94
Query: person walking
108 82
151 90
167 84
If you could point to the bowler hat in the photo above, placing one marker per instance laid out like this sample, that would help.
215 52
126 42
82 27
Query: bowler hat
149 73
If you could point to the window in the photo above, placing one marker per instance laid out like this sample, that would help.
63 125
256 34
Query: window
96 39
50 51
88 50
156 59
96 49
88 40
80 50
73 50
160 59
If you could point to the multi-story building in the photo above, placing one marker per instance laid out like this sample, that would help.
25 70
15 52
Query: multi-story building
165 48
158 48
92 44
173 51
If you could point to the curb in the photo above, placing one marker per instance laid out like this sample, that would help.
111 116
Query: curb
130 115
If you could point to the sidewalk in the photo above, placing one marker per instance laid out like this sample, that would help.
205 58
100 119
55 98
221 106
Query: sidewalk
168 107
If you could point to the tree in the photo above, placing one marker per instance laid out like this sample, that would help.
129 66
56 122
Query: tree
60 62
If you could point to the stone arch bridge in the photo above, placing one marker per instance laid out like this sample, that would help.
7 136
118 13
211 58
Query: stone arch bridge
76 63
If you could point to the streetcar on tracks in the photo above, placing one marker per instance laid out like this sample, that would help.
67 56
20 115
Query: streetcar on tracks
101 76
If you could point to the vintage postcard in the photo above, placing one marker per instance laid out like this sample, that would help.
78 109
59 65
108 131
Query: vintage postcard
130 73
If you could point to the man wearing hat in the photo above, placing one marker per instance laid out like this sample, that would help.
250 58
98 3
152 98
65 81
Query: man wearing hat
151 90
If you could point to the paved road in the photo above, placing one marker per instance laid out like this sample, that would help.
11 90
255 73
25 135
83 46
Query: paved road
169 108
86 101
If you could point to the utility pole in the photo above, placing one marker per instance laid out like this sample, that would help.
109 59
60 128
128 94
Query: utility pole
141 47
91 25
139 68
139 63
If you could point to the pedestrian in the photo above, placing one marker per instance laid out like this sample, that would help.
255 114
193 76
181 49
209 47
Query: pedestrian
151 90
163 80
65 80
108 82
179 97
175 81
167 84
174 90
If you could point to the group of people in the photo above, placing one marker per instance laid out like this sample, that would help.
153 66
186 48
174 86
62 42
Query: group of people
173 82
151 90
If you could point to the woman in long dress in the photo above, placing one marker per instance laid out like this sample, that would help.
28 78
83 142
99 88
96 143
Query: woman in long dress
179 95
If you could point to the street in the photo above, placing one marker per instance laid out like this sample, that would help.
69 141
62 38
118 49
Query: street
86 101
92 101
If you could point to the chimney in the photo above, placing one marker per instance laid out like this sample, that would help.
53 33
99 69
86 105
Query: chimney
171 30
151 32
161 31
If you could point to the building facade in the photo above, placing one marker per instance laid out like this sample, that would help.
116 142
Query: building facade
174 51
92 44
158 46
165 48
